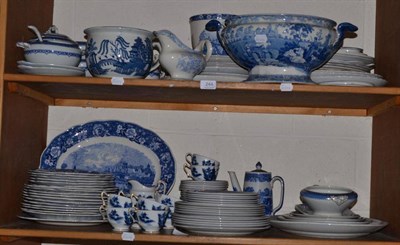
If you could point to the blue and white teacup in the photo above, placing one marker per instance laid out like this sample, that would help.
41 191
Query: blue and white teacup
170 202
151 221
197 159
202 172
117 200
120 219
150 204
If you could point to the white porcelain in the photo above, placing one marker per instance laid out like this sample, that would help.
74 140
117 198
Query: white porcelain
120 219
180 61
328 229
117 200
328 200
51 71
51 48
201 168
139 190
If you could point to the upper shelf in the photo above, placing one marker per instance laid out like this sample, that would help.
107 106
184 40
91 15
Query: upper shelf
187 95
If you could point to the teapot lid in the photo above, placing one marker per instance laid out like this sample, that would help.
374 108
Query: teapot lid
259 168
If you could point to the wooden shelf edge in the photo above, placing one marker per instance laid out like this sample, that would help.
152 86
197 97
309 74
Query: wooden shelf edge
211 107
14 234
23 78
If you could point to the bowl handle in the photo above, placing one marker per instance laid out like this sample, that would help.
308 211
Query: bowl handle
342 29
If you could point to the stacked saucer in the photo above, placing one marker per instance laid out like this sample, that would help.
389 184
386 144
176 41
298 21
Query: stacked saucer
67 198
222 68
49 69
348 67
203 185
325 213
219 213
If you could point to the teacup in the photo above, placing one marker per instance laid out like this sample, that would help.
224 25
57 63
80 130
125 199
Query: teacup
197 159
120 219
140 190
150 204
170 202
151 221
202 172
117 200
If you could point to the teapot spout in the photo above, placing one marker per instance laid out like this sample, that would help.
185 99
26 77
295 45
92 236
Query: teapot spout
234 181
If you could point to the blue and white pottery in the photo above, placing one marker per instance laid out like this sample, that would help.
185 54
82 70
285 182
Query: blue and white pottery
328 200
197 159
262 183
124 149
151 221
199 33
120 219
150 204
117 200
116 51
280 47
51 48
180 61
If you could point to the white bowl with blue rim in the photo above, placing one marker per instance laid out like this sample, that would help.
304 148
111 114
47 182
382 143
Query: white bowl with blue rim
280 47
328 200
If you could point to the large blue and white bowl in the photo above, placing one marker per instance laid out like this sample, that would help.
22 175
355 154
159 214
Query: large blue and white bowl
280 47
116 51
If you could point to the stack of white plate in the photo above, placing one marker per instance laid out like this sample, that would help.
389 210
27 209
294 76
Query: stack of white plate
303 222
348 67
347 78
222 68
219 214
49 69
65 198
198 185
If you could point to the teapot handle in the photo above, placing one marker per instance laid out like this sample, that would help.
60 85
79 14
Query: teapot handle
280 180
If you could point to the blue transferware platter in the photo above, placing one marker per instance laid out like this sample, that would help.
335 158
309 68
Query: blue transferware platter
124 149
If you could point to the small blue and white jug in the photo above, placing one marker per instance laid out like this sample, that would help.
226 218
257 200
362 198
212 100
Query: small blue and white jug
261 182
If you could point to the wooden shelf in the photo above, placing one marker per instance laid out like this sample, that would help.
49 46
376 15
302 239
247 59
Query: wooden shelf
25 229
187 95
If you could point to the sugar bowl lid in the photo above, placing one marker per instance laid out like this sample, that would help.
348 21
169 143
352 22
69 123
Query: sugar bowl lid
259 168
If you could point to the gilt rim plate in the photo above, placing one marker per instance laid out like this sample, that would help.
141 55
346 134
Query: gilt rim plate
126 150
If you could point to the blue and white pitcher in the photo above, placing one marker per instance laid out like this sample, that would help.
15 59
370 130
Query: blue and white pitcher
260 182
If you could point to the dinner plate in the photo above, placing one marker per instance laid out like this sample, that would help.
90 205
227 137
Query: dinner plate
124 149
55 71
49 221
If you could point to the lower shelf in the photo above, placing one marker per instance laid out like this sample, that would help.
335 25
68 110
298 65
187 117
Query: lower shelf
45 233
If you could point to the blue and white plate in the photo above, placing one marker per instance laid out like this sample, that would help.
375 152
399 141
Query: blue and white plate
124 149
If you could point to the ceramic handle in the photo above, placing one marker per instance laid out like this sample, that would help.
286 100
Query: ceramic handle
161 185
104 197
23 45
208 45
103 211
342 29
187 158
186 169
280 180
156 57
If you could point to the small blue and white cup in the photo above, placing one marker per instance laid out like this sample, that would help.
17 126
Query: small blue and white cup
117 200
151 221
201 173
170 202
120 219
150 204
197 159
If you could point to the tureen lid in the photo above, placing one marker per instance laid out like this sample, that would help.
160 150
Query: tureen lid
52 36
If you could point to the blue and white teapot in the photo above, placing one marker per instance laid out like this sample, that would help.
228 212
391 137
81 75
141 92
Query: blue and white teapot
260 182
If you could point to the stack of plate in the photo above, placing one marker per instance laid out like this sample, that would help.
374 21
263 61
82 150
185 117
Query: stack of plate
65 198
347 78
49 69
222 68
219 213
348 67
303 222
198 185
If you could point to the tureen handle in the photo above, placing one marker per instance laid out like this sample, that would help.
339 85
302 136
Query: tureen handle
342 29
